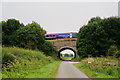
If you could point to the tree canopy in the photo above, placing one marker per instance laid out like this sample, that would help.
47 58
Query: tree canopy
30 36
8 29
97 36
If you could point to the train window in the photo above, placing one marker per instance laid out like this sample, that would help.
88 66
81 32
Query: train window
53 35
50 36
47 35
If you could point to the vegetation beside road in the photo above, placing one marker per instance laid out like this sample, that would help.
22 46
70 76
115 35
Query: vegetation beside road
47 71
98 36
100 67
21 63
100 40
35 55
67 58
25 49
30 36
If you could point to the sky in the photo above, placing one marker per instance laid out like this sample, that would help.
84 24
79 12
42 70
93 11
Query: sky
67 51
119 9
57 17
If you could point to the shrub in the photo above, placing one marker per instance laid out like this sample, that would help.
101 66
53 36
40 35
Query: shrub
18 62
113 51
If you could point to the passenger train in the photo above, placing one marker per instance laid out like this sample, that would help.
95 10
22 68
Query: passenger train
60 36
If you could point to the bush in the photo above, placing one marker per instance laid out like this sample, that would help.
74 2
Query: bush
48 48
18 62
114 51
100 67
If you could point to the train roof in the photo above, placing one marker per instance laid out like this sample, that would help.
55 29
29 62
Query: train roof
60 33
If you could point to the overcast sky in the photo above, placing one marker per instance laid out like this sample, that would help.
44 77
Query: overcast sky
58 16
67 51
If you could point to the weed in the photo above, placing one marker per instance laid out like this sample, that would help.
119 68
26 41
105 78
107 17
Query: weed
99 67
19 63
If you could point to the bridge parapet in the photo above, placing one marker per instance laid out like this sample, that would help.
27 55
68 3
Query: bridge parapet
64 43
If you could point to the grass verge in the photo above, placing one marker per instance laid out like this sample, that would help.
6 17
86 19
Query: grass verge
66 58
21 63
47 71
99 67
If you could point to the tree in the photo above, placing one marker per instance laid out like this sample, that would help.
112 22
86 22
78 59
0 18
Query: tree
66 55
95 20
8 29
31 36
112 28
48 48
71 55
97 36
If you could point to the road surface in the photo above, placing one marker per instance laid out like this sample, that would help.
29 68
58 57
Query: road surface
67 70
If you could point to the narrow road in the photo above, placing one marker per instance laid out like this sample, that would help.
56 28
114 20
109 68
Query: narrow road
67 70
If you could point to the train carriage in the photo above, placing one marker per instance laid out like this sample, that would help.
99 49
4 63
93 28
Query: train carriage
60 36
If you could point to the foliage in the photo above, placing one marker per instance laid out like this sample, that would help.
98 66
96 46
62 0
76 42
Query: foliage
66 55
71 55
0 62
48 48
0 38
97 36
47 71
8 29
19 63
66 58
114 51
94 20
31 36
112 28
100 67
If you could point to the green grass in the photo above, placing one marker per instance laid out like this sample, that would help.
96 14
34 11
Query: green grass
66 58
0 76
96 67
20 63
47 71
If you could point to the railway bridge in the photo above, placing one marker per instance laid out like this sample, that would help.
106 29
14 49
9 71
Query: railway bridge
61 45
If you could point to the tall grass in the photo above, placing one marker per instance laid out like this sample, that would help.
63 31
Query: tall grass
100 67
18 62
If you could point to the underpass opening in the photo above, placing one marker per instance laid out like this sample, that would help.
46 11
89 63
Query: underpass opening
67 53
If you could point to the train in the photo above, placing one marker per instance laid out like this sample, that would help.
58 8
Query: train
60 35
